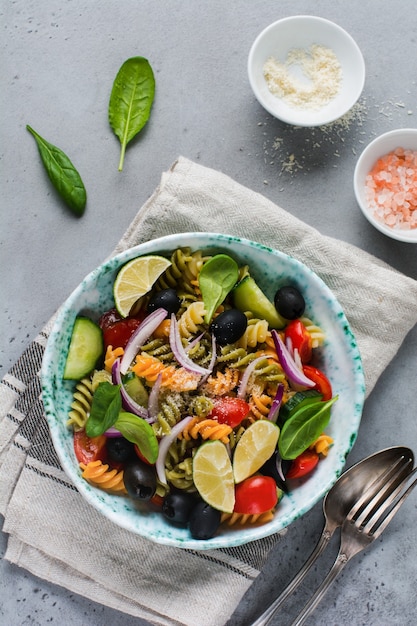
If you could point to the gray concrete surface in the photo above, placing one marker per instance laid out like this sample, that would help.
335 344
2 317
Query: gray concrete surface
58 61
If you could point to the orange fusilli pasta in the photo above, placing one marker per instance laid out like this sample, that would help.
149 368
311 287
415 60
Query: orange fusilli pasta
99 475
231 519
322 444
111 355
222 383
207 429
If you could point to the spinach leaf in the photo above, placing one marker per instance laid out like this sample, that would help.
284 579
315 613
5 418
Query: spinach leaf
105 409
138 431
217 277
131 100
62 174
303 427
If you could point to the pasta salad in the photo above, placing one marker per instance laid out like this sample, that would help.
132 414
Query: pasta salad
203 398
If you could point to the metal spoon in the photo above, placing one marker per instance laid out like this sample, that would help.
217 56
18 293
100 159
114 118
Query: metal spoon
390 464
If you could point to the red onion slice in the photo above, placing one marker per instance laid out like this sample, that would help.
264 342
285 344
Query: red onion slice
194 342
128 403
241 392
288 364
153 405
113 432
212 360
179 352
276 404
140 336
164 445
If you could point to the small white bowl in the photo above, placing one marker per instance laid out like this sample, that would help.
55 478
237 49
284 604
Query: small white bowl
301 32
403 137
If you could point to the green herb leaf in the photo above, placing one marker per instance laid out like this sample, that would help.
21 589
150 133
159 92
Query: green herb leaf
62 174
303 427
138 431
131 100
105 409
217 278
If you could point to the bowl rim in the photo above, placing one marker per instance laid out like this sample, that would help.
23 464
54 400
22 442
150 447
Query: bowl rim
228 539
294 120
363 165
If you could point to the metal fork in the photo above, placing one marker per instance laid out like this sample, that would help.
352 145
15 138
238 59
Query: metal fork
364 523
358 486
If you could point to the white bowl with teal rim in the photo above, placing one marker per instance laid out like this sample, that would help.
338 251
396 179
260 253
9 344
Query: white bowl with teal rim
339 358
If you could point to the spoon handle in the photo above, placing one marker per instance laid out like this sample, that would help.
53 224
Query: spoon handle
292 586
337 567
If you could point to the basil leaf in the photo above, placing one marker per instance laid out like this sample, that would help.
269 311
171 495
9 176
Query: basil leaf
216 279
62 174
131 100
138 431
303 427
105 408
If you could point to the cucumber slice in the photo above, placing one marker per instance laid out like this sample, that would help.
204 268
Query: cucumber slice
86 347
135 389
298 399
248 296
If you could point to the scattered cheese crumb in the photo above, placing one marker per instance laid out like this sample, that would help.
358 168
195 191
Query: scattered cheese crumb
318 84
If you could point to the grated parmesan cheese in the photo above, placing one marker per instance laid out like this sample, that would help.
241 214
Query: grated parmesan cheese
308 79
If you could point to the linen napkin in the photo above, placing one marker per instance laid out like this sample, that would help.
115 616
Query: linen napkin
56 535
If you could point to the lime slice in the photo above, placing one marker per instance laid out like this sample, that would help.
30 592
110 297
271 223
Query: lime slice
135 279
247 296
213 476
254 448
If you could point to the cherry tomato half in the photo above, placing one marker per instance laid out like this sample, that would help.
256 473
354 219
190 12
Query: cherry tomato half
119 333
303 464
230 411
89 449
255 495
323 385
300 340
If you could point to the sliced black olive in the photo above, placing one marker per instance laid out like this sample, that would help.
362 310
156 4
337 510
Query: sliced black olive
140 480
119 449
229 326
166 299
204 521
289 302
177 507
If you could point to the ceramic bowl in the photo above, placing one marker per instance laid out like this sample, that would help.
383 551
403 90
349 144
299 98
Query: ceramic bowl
301 32
339 358
404 138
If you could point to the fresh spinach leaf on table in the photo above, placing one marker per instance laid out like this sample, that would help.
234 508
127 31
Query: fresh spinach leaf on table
131 100
62 173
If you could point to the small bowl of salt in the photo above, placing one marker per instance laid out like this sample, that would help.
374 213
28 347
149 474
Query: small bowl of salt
385 184
306 70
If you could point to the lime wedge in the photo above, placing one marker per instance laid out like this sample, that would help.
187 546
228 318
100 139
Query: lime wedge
135 279
254 448
213 476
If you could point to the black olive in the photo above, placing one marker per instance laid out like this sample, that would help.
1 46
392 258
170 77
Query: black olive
229 326
119 449
140 480
289 302
166 299
177 506
270 468
204 521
